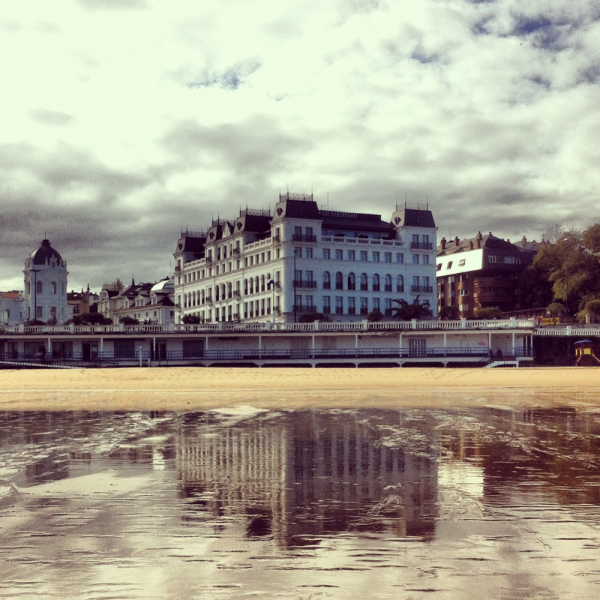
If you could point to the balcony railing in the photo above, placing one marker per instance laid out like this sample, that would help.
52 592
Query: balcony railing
421 246
300 237
299 283
421 289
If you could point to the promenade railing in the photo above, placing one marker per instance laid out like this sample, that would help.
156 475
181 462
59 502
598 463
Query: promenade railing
266 326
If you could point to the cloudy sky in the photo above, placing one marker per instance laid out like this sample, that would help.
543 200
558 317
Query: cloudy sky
125 121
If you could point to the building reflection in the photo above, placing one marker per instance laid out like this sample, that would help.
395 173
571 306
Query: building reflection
305 475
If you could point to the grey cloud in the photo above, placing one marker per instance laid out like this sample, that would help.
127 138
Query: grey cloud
51 117
254 146
230 79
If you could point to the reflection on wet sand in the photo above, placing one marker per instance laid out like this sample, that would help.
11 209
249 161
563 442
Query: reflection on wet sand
311 473
300 504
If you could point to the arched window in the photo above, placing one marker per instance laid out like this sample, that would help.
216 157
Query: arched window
262 283
351 281
245 287
39 287
53 287
217 289
202 297
399 283
388 283
376 286
257 284
326 280
223 291
364 282
229 290
339 281
251 285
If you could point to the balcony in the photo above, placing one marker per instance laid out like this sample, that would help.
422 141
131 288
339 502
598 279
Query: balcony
309 285
299 237
421 246
388 288
421 289
298 309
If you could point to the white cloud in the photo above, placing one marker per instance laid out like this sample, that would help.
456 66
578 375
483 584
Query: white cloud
124 121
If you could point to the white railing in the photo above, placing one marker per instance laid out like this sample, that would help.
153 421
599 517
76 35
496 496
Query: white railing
256 245
349 240
364 325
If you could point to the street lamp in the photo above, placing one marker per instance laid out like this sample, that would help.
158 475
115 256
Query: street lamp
35 292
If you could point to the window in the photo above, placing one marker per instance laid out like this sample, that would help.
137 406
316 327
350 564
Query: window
425 259
39 287
309 303
376 304
351 305
297 302
309 234
339 305
363 256
364 306
399 257
388 283
439 267
449 265
351 255
339 255
376 283
339 281
364 285
326 280
387 307
375 256
297 252
53 287
415 259
39 312
387 257
399 283
326 305
351 281
297 233
326 253
308 252
425 241
415 284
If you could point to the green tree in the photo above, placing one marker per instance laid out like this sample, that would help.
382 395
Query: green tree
127 320
375 315
190 319
449 312
487 312
406 312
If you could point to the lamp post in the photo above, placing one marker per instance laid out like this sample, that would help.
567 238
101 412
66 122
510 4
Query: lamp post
271 283
35 292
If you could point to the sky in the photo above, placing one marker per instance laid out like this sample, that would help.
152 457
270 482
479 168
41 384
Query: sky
125 122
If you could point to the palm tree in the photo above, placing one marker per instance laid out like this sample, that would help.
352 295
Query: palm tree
405 311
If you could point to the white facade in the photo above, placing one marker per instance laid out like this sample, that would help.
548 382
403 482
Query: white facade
11 308
345 265
46 286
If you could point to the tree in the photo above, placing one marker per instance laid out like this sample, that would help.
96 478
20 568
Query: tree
127 320
406 312
312 317
91 319
375 315
449 312
191 320
590 311
556 309
487 312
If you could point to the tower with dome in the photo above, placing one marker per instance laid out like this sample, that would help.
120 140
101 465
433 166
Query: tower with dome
46 286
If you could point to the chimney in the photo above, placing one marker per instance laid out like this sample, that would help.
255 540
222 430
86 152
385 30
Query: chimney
443 243
456 242
471 244
479 238
524 242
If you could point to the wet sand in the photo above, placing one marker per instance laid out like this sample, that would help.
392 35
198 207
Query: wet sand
201 388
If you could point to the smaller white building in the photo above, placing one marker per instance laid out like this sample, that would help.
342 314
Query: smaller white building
11 308
46 286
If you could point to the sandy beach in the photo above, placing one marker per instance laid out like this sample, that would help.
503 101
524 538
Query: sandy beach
202 388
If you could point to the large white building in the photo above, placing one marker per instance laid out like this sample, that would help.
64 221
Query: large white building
305 260
46 286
